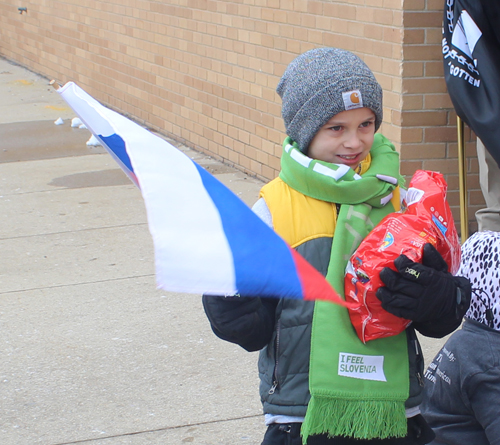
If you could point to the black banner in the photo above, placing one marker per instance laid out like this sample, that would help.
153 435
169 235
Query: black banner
471 57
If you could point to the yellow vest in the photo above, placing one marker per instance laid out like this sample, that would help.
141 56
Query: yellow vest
288 207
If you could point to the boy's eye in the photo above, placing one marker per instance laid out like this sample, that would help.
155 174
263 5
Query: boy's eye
336 128
366 124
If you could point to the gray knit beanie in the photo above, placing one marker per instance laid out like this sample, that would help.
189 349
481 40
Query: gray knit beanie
321 83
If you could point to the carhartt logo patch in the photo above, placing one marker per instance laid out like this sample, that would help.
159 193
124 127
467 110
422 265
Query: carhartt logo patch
365 367
352 99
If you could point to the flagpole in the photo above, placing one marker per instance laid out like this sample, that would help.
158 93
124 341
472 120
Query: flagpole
54 84
462 175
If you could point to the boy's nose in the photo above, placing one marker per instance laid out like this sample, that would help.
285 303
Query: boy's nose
352 141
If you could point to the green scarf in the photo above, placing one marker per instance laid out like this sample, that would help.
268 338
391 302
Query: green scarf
357 390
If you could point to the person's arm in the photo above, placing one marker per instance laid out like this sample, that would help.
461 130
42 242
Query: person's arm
246 321
426 293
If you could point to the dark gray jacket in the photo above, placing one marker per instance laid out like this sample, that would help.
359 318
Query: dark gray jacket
462 390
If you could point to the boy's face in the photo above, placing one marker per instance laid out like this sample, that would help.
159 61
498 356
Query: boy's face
345 139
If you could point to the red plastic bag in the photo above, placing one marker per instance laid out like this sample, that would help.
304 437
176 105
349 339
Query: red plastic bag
426 218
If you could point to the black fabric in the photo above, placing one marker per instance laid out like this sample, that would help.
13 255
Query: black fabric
246 321
419 433
424 292
283 434
472 71
416 369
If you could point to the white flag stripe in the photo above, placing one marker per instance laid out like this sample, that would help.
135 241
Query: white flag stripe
189 210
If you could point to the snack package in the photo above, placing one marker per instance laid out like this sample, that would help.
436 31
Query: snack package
426 218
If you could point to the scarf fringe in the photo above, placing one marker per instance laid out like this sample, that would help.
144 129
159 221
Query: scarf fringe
371 419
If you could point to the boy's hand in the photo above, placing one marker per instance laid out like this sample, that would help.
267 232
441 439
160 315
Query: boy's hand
227 311
424 292
246 321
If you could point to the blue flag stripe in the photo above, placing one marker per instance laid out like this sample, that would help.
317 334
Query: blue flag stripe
117 145
257 250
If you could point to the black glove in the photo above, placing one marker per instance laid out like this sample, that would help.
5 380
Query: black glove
424 292
246 321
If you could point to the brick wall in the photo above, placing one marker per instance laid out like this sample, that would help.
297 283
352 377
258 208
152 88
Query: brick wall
428 121
204 72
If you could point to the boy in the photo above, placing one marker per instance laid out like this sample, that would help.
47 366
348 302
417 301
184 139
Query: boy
462 391
337 177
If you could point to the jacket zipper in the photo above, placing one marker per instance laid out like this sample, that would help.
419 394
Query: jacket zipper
417 357
273 388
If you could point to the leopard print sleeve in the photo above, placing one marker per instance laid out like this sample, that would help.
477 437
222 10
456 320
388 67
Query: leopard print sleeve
481 265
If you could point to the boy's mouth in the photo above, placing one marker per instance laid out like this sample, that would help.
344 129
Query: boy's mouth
350 160
348 157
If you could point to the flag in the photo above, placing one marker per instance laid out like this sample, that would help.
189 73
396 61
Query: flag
471 57
206 239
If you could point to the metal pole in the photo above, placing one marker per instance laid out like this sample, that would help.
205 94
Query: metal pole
462 176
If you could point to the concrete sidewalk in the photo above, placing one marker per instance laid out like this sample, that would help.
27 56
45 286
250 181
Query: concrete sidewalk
90 351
